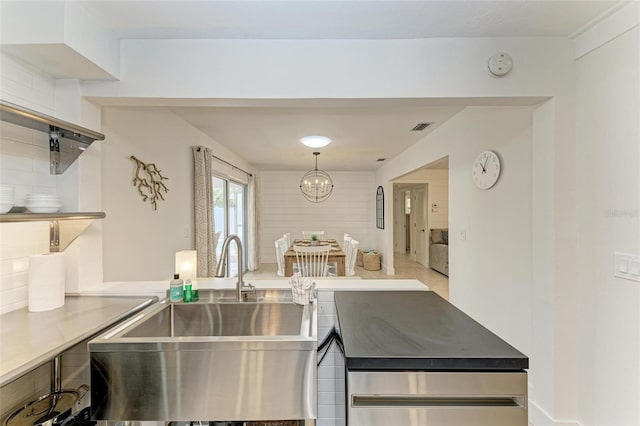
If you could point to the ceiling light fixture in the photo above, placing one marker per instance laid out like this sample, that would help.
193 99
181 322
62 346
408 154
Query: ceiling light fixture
316 185
315 141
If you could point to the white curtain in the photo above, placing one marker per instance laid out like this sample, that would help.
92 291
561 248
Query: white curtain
252 216
203 211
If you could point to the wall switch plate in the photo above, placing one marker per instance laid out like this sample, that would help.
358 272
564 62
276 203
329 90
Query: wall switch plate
626 266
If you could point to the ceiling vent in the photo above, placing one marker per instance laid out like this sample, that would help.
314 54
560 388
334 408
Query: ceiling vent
420 127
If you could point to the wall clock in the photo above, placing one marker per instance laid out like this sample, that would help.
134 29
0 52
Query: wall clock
486 170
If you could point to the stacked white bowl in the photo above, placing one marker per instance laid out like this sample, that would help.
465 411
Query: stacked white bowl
6 198
43 203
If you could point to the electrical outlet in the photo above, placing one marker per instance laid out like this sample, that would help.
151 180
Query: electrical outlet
626 266
463 235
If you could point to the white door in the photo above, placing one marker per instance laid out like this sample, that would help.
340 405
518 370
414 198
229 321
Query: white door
399 233
421 233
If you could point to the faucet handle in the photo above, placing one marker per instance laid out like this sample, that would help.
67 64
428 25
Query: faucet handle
248 288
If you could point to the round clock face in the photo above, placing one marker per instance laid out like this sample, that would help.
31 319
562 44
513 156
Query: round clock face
486 170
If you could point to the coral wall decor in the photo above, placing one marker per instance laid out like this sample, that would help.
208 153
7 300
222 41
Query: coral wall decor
148 180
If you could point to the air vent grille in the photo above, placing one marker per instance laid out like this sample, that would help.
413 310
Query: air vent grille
420 127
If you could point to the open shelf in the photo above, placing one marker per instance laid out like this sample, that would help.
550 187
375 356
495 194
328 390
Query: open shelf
64 228
37 217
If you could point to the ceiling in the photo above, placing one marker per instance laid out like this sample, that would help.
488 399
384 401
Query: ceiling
351 19
267 134
269 138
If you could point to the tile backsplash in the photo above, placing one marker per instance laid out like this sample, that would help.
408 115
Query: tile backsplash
24 164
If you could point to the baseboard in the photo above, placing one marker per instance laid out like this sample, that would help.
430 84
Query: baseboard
539 417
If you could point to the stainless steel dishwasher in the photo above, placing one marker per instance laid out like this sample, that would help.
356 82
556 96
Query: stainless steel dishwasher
413 359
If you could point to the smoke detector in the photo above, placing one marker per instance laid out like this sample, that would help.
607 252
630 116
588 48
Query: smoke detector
500 64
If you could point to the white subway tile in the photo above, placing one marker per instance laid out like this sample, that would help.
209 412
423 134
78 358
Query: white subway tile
41 139
325 296
326 411
326 398
16 71
13 88
326 385
13 295
16 133
12 307
16 177
44 180
20 164
326 372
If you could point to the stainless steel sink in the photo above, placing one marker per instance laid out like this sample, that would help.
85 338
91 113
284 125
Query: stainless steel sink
223 319
216 359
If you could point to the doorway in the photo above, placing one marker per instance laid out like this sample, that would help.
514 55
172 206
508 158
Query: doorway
420 225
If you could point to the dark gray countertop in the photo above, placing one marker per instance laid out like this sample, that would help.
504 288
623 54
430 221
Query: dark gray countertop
28 339
417 330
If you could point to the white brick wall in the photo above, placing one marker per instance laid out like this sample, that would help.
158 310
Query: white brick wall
24 164
351 209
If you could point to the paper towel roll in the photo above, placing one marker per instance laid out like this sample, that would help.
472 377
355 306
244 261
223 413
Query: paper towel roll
46 282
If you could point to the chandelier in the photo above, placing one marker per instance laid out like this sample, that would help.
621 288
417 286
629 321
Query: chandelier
316 185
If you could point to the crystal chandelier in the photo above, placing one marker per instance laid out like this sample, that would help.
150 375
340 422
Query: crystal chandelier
316 185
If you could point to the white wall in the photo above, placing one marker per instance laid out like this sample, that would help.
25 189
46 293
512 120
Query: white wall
608 205
350 209
140 243
494 262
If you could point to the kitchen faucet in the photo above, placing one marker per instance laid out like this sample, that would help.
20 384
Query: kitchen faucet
241 288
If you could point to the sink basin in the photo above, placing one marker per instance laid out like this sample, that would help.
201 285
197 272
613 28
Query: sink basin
212 360
222 319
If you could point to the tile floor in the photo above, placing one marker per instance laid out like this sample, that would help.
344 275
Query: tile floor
405 268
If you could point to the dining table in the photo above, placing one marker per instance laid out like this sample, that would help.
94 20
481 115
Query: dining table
336 255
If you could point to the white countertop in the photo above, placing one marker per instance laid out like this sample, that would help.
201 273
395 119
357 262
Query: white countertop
159 288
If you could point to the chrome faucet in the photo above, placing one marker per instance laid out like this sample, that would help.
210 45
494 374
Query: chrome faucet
241 288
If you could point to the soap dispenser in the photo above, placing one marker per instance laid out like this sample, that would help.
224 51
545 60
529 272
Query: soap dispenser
176 292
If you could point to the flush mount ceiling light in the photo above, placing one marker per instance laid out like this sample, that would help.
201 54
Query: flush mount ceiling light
315 141
316 185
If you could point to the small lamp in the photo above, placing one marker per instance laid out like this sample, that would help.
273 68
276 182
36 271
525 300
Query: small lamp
186 261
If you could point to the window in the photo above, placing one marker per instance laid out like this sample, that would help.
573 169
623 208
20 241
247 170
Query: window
230 216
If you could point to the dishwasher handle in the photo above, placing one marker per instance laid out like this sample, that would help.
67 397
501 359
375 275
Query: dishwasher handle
370 401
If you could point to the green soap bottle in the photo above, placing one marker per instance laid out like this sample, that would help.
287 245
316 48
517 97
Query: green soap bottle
188 294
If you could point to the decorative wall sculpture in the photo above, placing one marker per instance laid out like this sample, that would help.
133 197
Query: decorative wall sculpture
148 179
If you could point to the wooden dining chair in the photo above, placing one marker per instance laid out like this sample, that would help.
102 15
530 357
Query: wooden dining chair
306 235
312 260
281 249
